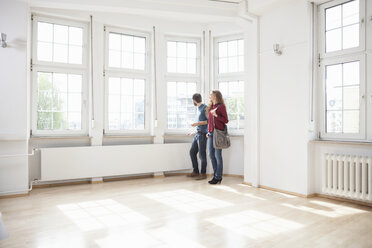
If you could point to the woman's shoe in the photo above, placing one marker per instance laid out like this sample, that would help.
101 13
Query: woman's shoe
215 181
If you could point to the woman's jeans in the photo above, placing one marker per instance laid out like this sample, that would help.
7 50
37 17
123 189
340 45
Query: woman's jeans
216 158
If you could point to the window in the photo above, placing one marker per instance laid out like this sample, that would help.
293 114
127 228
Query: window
183 80
342 69
59 70
127 75
233 93
181 110
230 78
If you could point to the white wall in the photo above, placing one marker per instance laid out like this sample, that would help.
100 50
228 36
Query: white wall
14 19
284 97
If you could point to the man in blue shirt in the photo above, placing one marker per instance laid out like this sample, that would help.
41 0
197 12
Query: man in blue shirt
199 143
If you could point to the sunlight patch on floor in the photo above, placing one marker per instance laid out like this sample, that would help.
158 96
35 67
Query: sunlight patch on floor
187 201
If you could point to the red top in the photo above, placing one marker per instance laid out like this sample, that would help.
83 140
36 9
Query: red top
219 121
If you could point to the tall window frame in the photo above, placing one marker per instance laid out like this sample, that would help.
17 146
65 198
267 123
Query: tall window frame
340 57
177 77
230 77
51 67
126 73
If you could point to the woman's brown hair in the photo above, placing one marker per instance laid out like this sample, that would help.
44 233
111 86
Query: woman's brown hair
219 99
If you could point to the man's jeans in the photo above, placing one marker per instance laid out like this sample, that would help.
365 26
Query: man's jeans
216 158
199 144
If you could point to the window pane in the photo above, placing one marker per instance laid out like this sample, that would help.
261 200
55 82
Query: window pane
74 102
181 49
191 50
127 86
74 121
114 103
139 61
114 121
334 98
75 36
44 51
351 98
232 48
233 64
334 121
191 66
44 81
114 85
44 32
139 121
139 45
44 120
222 49
127 105
75 54
240 63
74 83
172 65
222 65
114 58
172 89
60 121
333 17
172 49
350 36
60 34
351 73
350 13
127 43
333 40
240 47
334 75
139 104
60 53
139 87
181 65
351 122
233 93
114 41
127 60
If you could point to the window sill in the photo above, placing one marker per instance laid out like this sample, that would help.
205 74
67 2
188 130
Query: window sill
342 142
127 136
40 137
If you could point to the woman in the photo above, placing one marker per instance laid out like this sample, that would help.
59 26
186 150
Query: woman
216 110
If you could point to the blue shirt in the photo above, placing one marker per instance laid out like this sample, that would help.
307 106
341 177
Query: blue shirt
202 116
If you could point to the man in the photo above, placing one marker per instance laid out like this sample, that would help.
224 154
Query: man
199 143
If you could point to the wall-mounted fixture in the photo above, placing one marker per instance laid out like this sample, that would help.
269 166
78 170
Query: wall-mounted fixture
277 50
3 40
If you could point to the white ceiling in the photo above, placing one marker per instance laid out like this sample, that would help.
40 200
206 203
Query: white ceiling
206 7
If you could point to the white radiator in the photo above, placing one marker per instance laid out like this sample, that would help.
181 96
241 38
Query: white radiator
101 161
347 176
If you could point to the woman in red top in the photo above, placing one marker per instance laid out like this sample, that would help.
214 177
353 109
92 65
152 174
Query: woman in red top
217 110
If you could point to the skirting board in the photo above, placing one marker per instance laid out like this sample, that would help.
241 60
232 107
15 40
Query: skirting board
14 195
313 195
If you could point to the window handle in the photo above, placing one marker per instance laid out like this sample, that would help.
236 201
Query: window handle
361 22
370 98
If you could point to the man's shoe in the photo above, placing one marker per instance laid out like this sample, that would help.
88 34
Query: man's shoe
194 174
201 176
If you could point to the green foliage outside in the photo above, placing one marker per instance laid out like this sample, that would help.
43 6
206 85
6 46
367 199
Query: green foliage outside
50 114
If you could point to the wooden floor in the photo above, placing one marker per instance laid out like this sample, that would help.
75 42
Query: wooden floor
180 212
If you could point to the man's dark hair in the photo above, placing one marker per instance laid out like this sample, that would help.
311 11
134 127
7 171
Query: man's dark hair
197 98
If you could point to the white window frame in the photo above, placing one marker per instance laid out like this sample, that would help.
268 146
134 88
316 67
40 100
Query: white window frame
228 76
362 54
182 77
362 33
128 73
56 67
362 105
